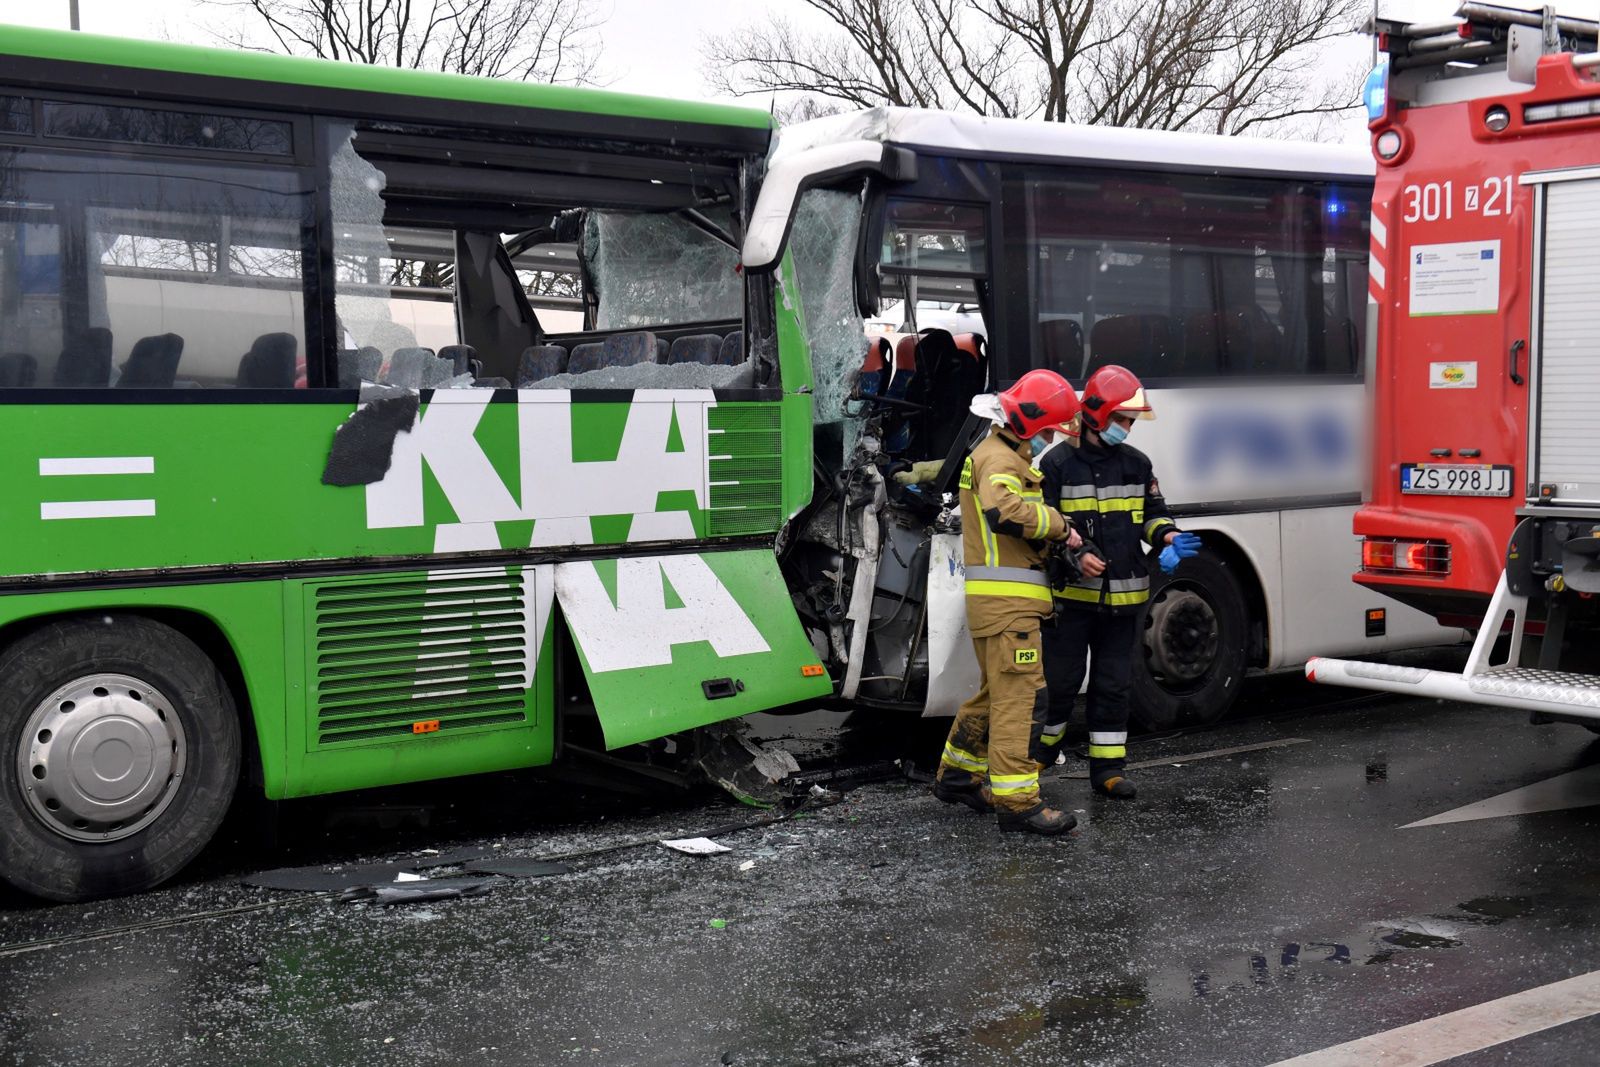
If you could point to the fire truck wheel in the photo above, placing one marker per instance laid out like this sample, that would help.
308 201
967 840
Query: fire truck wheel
119 755
1193 654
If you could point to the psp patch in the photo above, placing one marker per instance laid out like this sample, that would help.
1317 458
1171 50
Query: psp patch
1026 657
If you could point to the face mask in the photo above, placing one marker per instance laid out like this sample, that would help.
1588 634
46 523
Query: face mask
1039 443
1114 434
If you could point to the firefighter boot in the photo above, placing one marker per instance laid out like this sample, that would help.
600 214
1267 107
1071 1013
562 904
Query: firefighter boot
973 792
1108 780
1037 820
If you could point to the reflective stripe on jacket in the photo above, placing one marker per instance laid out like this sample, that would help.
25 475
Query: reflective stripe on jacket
1112 497
1005 521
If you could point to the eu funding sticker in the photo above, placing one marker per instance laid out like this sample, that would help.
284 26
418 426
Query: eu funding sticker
1456 375
1462 278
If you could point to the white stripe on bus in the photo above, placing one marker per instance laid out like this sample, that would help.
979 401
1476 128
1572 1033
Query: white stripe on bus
97 509
98 465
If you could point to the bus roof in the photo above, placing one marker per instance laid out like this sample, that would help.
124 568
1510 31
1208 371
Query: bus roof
114 55
964 134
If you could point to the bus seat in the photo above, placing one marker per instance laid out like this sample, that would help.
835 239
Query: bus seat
153 363
1202 346
1062 344
585 358
18 370
491 383
85 361
630 349
357 365
1141 343
460 358
696 348
954 369
731 354
406 367
973 344
905 366
874 364
540 362
270 362
437 372
663 350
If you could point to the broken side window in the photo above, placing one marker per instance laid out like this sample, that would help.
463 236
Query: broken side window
393 285
659 270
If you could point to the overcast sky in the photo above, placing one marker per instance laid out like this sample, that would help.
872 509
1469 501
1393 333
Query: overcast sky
649 46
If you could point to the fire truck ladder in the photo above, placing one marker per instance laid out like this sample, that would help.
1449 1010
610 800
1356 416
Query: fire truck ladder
1484 35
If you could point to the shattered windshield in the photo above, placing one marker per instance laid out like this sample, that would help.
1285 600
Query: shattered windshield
648 270
826 227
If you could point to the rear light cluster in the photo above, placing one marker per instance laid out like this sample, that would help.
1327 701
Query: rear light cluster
1385 555
1566 109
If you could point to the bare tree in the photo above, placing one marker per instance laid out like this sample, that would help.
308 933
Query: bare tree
1221 67
527 40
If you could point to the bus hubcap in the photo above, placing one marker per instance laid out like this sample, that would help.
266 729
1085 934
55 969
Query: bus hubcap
101 758
1183 635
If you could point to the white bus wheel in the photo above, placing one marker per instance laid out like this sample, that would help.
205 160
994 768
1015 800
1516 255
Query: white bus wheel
119 756
1192 659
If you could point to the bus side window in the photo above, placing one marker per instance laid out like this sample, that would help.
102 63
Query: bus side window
120 271
1191 277
505 267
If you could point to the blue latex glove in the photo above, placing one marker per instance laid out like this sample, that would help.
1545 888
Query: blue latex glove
1169 559
1187 544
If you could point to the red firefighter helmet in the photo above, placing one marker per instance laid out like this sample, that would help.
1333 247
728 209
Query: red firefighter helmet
1109 391
1039 400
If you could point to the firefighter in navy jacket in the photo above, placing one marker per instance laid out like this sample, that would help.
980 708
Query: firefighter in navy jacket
1109 492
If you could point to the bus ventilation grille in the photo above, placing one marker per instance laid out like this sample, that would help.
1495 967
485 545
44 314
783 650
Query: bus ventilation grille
391 654
746 468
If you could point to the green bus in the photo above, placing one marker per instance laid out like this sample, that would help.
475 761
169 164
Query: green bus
302 494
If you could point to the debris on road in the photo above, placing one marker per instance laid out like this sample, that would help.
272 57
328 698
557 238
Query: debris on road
417 892
696 846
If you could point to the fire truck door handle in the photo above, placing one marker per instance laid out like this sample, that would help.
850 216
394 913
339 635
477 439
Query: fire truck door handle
1516 350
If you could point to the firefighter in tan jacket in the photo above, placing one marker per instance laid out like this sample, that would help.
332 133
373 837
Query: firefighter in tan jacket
1005 524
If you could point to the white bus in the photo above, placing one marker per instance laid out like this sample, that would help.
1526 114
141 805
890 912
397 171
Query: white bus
1229 274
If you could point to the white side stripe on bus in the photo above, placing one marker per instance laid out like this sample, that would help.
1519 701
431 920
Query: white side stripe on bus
96 509
98 465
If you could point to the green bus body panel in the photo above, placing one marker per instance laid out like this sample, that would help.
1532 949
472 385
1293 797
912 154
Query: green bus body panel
651 631
319 73
229 484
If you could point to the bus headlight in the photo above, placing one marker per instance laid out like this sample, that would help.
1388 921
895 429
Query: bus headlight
1497 118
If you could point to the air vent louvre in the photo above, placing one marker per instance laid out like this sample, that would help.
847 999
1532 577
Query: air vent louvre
746 468
390 653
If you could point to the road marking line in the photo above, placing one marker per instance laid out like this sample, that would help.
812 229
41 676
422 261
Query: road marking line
98 465
1575 789
1457 1033
1195 757
96 509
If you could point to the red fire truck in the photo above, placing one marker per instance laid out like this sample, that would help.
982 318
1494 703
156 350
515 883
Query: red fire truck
1485 283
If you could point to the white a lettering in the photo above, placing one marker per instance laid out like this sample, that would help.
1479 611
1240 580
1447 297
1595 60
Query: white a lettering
639 629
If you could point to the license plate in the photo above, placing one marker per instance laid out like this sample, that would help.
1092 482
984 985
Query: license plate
1455 479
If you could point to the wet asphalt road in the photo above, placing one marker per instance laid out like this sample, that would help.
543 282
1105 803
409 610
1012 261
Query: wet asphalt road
1248 908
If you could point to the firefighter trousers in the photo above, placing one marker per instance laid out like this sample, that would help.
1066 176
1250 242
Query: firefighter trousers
996 731
1108 642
